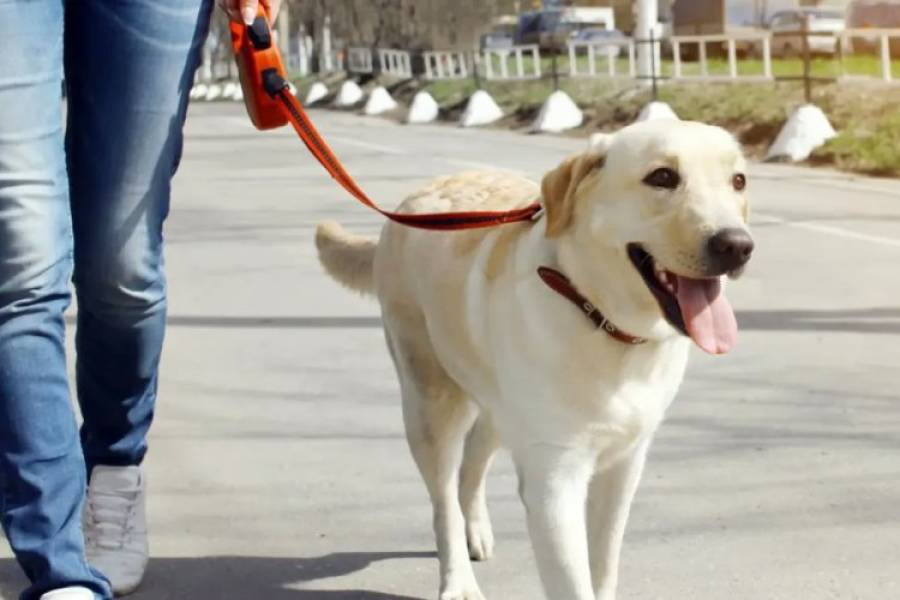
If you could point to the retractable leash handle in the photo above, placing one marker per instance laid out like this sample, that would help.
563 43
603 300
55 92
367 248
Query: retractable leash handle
271 104
258 60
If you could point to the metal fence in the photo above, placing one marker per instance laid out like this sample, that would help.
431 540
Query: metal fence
696 58
748 43
359 60
518 62
445 65
699 58
397 63
584 56
849 39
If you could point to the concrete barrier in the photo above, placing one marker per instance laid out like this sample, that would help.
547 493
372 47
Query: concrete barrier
481 110
558 113
199 91
379 102
213 92
806 129
656 110
317 92
349 95
424 109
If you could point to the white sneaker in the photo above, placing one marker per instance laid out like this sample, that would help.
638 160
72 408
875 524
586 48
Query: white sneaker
69 593
115 526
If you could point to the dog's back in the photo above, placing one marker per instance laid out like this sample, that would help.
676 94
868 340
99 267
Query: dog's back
350 259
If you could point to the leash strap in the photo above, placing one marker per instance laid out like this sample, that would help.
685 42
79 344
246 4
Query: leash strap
277 88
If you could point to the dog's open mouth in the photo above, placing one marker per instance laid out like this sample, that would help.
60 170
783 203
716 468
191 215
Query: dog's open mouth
697 308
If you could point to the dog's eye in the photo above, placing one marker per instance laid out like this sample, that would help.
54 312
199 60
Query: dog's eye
739 181
663 178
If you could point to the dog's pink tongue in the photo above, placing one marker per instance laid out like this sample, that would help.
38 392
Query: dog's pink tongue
707 314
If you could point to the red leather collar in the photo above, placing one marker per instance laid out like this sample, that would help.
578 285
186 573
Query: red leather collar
561 284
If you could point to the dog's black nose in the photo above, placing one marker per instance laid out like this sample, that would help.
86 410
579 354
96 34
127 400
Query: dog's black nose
730 249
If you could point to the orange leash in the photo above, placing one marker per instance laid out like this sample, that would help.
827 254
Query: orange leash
271 104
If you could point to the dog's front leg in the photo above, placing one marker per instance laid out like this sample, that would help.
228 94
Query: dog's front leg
609 501
553 484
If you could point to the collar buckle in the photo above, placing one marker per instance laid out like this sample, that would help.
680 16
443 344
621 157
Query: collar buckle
561 284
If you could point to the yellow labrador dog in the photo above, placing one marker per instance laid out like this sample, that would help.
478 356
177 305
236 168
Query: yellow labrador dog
571 368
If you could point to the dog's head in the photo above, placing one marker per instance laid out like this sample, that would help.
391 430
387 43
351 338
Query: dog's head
655 217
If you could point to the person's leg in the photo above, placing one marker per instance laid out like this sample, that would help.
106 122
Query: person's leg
42 477
129 69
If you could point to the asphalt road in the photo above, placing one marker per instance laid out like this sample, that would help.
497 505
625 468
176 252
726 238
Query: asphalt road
279 469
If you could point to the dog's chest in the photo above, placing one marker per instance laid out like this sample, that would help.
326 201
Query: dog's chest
624 398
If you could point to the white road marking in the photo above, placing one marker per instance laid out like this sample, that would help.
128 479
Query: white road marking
366 145
830 230
473 164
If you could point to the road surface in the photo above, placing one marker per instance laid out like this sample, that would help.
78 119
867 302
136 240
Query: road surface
279 468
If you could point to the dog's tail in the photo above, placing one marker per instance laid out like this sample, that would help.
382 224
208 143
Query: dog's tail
348 258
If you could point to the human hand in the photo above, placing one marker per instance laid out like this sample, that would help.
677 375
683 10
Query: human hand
244 11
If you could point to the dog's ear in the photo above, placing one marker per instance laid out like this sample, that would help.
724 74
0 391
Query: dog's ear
559 186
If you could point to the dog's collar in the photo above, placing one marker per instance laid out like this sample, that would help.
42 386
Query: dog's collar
561 284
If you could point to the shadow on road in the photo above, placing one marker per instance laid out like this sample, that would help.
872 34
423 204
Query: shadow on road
867 320
242 577
215 322
864 320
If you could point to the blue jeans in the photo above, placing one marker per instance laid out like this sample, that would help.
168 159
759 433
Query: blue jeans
85 204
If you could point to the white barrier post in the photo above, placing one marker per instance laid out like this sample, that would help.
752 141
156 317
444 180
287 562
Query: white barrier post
326 45
767 57
886 57
632 60
592 59
536 57
611 59
676 56
520 63
573 61
645 30
704 69
732 58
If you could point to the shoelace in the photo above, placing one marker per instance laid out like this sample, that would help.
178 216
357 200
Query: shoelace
111 519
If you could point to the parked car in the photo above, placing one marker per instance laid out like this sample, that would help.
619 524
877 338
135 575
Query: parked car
551 29
497 40
716 17
873 14
613 39
820 20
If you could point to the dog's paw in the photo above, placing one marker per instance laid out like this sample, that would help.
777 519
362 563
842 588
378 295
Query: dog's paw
460 585
454 594
480 537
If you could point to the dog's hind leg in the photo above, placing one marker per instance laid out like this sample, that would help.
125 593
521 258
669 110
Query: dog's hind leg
437 415
481 444
609 503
